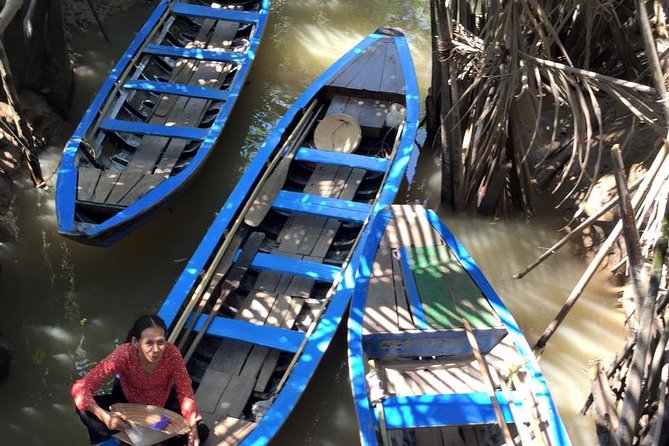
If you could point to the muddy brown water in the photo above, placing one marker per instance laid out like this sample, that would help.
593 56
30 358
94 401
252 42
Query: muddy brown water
64 305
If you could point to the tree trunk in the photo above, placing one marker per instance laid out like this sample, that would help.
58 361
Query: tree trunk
38 54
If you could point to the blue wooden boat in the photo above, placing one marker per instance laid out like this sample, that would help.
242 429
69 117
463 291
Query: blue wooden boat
157 116
260 299
435 358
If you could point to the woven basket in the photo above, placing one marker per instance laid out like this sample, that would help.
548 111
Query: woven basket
142 417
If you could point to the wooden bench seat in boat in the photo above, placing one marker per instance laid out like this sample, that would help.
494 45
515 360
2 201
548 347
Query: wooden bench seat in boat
325 206
207 12
370 163
264 335
451 409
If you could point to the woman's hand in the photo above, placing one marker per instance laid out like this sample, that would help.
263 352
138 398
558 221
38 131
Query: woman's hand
114 421
193 439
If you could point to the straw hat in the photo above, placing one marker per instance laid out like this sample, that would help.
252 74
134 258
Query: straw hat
338 132
149 424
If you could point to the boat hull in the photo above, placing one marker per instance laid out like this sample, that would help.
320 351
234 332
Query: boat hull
127 158
338 194
424 364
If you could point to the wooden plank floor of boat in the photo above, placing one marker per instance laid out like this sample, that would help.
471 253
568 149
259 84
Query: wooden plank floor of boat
388 311
156 158
277 299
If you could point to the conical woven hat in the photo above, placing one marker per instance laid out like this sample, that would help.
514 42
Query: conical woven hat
338 132
149 424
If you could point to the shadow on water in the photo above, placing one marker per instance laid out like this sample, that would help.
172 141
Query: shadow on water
64 305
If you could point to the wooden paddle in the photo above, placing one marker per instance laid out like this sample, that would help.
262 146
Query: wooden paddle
213 267
487 380
231 283
220 272
263 202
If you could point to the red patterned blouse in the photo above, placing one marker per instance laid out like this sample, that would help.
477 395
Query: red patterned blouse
137 385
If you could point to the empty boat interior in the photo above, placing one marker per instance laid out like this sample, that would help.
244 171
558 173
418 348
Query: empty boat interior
162 108
292 240
438 359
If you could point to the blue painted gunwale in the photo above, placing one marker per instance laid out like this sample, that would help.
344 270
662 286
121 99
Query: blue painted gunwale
319 340
132 216
415 413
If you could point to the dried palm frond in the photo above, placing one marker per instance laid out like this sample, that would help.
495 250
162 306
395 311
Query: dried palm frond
517 65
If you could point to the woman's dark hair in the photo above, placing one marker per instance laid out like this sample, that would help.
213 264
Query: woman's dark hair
144 322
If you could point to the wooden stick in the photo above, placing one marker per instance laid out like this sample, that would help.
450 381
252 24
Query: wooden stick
263 202
230 284
624 354
330 293
659 164
487 380
224 246
524 432
629 414
553 249
635 259
661 409
607 416
221 271
538 424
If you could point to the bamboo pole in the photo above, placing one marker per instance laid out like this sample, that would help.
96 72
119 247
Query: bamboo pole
607 416
197 294
634 258
623 355
590 220
487 380
629 415
659 168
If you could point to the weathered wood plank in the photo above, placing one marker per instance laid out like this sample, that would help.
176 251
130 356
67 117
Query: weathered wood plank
105 185
125 183
211 387
392 79
144 186
235 396
377 59
228 431
380 310
88 178
451 436
404 318
259 308
230 357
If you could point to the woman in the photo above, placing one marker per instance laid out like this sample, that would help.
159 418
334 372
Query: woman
149 370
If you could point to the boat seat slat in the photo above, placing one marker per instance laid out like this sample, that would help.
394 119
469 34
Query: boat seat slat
234 397
141 128
403 412
266 336
429 343
297 267
371 163
323 206
196 53
193 91
207 12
